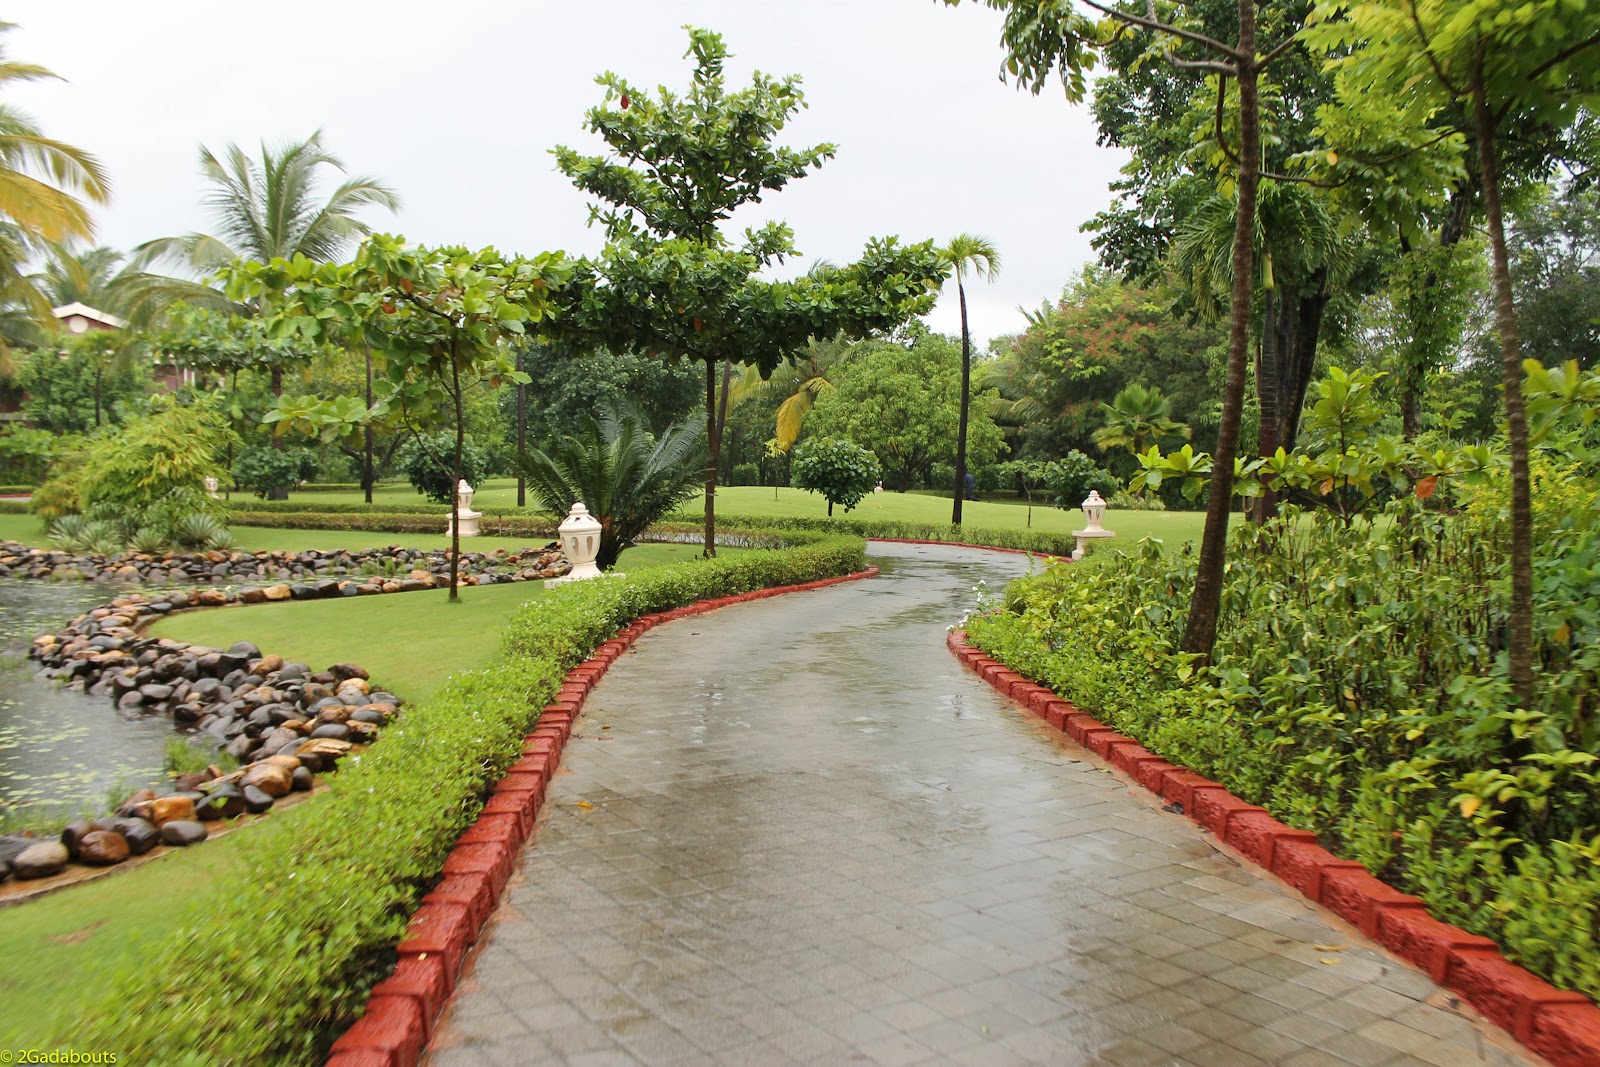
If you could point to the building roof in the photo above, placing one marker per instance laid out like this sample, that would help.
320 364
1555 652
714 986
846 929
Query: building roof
94 315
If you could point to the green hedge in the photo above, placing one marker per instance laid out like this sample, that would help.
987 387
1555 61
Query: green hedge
426 518
13 507
1359 689
15 490
272 968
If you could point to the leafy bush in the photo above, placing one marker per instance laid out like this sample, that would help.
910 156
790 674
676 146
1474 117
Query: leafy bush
427 465
200 531
262 469
254 981
1359 689
842 471
26 453
1071 478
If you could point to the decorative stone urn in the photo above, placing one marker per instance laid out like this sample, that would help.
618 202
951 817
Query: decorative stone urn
469 518
1094 508
580 540
211 488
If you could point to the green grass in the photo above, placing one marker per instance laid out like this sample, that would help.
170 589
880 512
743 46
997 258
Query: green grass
410 643
71 944
25 528
1006 513
65 949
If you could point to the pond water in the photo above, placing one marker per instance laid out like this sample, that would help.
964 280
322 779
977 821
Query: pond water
60 750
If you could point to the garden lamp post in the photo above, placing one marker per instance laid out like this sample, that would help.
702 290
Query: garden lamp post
1094 509
580 540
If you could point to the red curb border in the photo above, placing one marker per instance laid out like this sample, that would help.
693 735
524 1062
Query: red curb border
1560 1025
403 1008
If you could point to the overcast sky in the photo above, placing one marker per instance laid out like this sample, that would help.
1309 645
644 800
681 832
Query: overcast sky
456 106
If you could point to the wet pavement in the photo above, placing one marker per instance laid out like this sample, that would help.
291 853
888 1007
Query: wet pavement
796 831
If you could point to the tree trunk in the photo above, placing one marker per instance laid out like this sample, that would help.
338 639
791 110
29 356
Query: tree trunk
367 477
1424 305
455 481
966 402
522 437
1200 631
1505 315
280 492
714 449
1268 375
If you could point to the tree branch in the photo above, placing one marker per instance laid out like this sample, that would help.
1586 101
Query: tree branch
1153 23
1427 50
1211 65
1282 47
1564 55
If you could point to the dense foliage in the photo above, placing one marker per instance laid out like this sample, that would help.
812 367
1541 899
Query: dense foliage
427 461
253 980
1360 689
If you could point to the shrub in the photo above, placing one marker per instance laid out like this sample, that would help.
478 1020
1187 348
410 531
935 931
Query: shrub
1071 478
842 471
262 469
255 979
426 462
1358 689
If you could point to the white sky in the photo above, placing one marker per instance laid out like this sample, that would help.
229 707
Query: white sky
457 105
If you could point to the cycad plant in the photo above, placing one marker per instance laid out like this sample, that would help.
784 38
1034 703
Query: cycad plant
625 477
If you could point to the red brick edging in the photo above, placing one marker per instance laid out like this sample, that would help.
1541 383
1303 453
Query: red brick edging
1562 1026
402 1009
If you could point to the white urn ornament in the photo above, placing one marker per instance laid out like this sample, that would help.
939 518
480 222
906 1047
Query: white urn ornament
580 540
1094 509
469 518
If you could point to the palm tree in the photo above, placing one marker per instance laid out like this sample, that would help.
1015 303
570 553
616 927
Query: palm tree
967 252
41 180
106 279
1137 418
800 383
43 208
268 208
627 478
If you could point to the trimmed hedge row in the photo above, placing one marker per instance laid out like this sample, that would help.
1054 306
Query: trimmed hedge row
270 969
425 518
13 507
15 490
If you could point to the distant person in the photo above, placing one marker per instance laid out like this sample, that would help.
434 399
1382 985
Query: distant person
972 486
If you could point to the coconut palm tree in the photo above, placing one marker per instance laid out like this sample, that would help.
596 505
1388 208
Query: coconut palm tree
41 182
627 478
800 384
268 208
106 279
967 252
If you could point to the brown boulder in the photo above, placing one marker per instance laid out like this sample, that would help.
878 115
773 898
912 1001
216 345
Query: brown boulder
276 592
102 848
169 809
266 665
334 713
271 779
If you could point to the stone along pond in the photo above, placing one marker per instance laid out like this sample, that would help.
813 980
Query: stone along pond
62 750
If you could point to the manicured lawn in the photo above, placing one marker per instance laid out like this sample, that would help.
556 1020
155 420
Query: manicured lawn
408 642
1173 527
64 950
25 528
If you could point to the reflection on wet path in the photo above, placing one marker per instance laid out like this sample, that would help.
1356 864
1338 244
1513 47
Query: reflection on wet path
810 836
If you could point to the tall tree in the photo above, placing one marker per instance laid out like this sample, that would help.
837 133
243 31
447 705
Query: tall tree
1053 39
1138 418
1430 68
670 281
967 252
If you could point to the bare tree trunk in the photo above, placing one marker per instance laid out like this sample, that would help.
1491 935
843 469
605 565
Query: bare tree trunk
522 437
1268 367
1200 631
279 492
1505 314
455 482
713 448
966 402
367 474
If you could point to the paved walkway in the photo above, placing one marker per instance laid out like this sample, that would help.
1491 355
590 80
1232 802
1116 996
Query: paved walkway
796 831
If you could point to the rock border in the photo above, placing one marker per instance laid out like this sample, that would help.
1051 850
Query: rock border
403 1008
1561 1025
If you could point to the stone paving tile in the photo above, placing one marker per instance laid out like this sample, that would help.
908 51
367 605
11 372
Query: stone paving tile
815 839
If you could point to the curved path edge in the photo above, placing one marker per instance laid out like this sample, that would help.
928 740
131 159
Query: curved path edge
403 1008
1561 1025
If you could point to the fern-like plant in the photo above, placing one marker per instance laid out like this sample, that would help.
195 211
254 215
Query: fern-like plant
625 476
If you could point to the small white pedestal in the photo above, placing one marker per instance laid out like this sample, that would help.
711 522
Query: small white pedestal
469 518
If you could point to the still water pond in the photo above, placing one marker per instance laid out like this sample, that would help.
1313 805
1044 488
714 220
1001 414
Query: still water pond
60 750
